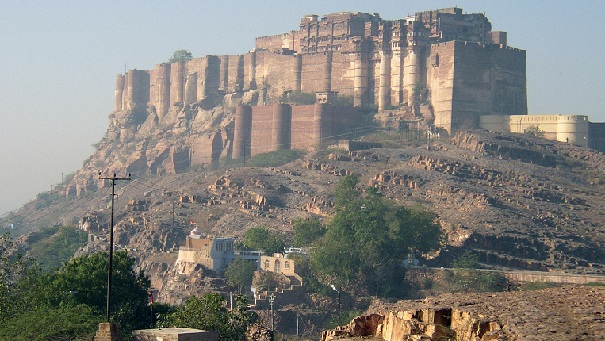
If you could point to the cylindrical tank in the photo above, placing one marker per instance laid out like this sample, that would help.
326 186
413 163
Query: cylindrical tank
243 132
282 119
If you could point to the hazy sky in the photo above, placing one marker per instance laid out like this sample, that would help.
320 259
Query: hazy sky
59 60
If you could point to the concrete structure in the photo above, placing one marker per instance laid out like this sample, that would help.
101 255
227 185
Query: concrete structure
107 332
448 61
212 252
279 263
174 334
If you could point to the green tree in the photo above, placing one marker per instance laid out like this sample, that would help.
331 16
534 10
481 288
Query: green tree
86 278
20 281
210 312
239 273
260 238
180 56
57 247
534 131
345 191
466 277
368 238
78 289
66 322
306 231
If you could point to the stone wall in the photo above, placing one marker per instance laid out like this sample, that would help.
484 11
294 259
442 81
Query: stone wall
563 128
357 55
488 80
308 127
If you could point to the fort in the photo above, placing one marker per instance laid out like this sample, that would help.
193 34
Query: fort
442 67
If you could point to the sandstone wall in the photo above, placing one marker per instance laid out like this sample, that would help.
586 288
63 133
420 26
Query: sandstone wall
440 81
194 257
279 42
359 55
488 80
343 73
262 124
313 69
563 128
275 73
304 123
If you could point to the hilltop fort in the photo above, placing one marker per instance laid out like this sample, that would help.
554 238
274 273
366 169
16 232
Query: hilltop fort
441 70
450 60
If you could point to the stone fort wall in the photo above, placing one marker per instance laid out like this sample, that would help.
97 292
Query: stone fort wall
261 129
374 62
572 129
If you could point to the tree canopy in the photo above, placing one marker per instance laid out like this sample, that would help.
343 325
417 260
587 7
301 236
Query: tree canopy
306 231
210 312
239 273
180 56
72 300
260 238
369 237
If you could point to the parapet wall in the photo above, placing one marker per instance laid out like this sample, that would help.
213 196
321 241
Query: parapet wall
563 128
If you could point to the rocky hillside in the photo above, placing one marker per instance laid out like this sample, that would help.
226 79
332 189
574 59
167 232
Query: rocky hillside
519 202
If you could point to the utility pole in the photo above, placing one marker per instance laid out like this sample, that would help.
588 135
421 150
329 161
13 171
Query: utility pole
113 180
173 215
271 299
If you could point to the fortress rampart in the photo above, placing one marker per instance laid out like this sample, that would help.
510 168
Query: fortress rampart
261 129
572 129
445 58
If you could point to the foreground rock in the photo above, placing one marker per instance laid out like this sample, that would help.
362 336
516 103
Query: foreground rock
566 313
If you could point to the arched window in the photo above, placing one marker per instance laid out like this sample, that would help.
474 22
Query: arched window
287 265
276 266
267 264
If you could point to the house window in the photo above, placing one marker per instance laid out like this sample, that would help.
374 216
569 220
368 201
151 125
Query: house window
276 266
219 246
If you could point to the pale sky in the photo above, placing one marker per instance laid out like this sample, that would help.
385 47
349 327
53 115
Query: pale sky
59 60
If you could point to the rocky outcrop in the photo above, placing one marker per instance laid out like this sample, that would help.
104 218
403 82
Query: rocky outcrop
567 313
426 324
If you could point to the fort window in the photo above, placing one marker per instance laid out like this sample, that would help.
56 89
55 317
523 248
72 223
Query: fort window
287 265
267 264
436 60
